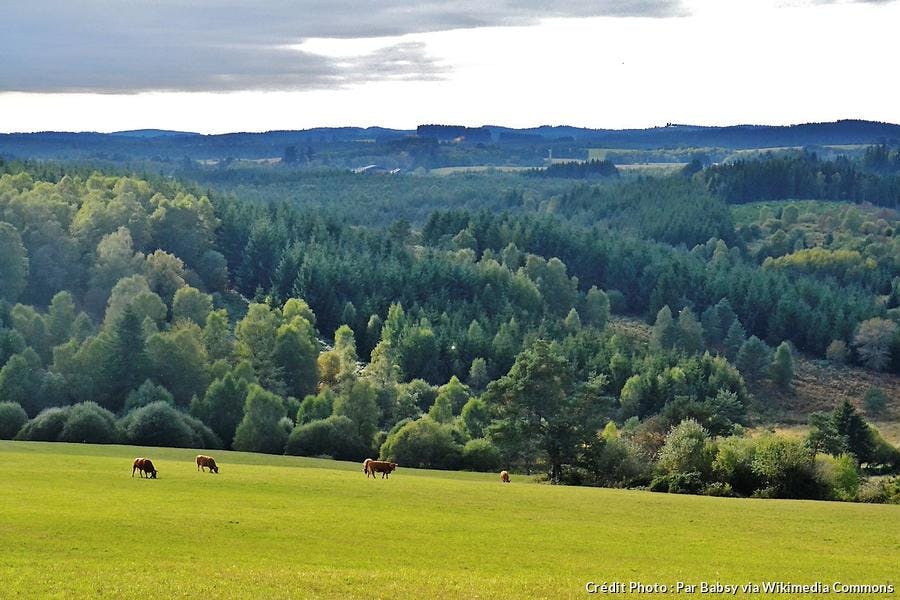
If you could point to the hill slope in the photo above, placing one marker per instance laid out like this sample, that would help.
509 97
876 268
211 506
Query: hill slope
76 524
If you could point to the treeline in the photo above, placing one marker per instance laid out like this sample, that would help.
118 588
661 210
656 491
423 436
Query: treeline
576 170
800 175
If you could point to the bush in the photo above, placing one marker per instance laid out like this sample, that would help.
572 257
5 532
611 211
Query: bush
678 483
88 423
840 475
12 418
686 450
158 424
422 443
874 402
208 437
837 352
612 461
883 491
786 469
733 465
335 436
480 455
718 489
46 427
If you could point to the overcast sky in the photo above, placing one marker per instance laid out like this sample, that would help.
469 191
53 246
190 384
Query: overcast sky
254 65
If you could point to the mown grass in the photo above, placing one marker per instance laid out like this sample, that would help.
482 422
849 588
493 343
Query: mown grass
73 523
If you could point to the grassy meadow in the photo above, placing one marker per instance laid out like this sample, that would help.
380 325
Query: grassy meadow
74 523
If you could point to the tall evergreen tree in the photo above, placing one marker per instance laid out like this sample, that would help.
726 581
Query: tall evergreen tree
665 334
690 332
782 368
734 340
753 359
125 365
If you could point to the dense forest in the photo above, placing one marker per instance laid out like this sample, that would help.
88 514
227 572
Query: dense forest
802 175
454 322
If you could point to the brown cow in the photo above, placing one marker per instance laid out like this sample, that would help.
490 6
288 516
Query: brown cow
504 476
380 466
144 465
207 461
366 467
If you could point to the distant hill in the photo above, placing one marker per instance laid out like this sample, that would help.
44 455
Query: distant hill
732 137
151 133
373 142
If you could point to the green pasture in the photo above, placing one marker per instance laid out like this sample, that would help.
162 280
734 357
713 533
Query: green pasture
75 524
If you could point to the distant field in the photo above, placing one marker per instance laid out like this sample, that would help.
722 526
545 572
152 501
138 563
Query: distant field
652 168
477 169
73 523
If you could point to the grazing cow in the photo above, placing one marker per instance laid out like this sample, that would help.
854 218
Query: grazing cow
380 466
504 476
144 465
207 461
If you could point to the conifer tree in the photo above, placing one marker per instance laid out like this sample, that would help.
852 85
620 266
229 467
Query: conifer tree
782 369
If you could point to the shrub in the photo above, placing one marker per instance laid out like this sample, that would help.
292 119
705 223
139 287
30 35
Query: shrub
786 469
207 437
678 483
874 402
884 491
612 461
685 450
12 418
734 465
335 436
718 489
480 455
422 443
46 427
837 352
840 475
159 424
90 424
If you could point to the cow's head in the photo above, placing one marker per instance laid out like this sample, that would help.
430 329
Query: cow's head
153 474
394 466
214 468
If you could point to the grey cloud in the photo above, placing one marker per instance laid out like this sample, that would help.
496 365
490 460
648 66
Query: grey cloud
128 46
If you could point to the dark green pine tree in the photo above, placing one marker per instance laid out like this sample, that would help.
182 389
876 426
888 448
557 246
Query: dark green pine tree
734 339
853 428
782 368
126 365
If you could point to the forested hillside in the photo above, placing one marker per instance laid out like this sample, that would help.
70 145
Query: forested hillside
158 312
